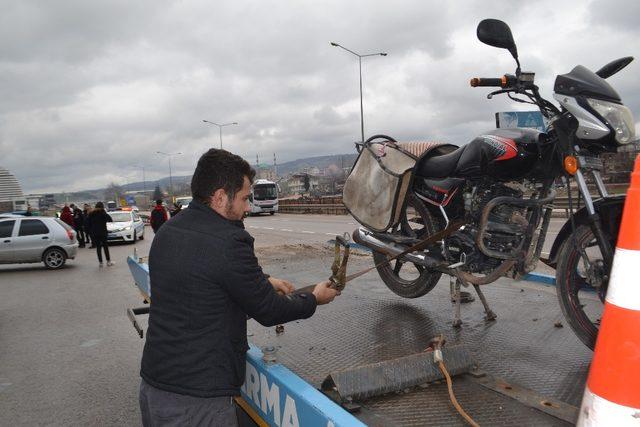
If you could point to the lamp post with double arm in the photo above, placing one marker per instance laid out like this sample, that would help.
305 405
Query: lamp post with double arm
360 65
220 126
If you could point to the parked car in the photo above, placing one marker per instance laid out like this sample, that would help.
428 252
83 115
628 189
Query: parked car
183 201
43 239
127 226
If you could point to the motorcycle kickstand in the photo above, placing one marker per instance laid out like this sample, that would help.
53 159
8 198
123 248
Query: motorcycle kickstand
455 289
490 314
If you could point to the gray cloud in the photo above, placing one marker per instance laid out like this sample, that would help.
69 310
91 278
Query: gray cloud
92 88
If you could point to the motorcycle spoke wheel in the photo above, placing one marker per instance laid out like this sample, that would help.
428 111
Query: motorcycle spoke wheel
404 278
580 284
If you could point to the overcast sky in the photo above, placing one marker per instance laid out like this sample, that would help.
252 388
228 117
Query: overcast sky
89 89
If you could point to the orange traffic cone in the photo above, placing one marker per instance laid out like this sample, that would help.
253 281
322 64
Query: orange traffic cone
612 394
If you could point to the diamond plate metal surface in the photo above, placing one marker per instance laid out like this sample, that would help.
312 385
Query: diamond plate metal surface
369 324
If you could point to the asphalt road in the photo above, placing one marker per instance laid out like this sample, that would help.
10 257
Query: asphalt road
68 354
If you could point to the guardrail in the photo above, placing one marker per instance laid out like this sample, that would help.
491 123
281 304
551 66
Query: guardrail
334 206
313 208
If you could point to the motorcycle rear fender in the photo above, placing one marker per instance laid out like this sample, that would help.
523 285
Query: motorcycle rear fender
610 211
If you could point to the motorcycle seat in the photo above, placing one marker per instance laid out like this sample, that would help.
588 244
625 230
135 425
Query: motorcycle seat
420 149
474 158
441 166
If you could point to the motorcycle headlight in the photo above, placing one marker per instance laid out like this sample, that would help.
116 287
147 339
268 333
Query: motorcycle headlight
618 116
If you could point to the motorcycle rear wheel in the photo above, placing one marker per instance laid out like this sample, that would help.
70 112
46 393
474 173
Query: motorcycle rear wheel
406 279
581 302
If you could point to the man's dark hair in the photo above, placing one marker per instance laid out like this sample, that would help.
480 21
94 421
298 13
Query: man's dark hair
219 169
159 202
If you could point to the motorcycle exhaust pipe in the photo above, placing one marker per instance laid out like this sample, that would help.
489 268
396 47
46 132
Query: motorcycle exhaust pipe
366 238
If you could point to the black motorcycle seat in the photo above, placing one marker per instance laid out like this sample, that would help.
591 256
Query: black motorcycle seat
472 159
440 166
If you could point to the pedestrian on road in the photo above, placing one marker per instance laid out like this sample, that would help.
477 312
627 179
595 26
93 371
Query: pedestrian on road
158 216
206 281
87 225
78 224
66 216
98 218
29 212
177 208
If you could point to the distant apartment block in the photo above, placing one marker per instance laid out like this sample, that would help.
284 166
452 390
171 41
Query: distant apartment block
11 196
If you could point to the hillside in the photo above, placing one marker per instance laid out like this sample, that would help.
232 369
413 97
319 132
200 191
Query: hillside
321 162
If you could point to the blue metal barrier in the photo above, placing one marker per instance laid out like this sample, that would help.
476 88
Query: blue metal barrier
281 398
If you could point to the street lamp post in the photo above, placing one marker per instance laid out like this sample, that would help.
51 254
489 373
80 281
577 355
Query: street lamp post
360 65
169 155
144 180
220 126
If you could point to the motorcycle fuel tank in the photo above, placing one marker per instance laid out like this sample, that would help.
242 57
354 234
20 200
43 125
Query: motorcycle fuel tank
509 153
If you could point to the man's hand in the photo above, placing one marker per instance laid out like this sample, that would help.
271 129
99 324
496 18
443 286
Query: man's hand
283 287
324 293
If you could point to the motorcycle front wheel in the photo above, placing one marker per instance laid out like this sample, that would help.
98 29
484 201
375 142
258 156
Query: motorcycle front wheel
581 284
403 278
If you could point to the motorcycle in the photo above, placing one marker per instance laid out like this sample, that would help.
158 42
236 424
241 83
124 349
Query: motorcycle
482 211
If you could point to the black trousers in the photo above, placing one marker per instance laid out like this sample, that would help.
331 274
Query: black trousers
87 235
163 408
80 234
101 243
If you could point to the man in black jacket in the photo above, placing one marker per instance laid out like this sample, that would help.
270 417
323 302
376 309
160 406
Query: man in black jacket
78 224
206 280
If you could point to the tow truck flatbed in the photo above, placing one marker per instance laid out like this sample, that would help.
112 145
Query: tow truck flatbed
531 371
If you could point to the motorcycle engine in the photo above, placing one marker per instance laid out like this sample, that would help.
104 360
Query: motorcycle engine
505 222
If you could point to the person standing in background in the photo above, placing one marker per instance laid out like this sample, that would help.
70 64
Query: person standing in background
158 216
78 224
87 226
177 207
99 219
66 216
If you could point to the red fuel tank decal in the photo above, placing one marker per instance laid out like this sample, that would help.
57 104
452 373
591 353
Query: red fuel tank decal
506 148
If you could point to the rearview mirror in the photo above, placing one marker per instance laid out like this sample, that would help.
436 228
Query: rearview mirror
614 66
498 34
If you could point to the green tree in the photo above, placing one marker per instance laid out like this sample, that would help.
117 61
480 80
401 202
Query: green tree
307 182
157 193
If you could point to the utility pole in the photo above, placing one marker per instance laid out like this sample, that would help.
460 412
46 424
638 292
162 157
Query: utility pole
169 155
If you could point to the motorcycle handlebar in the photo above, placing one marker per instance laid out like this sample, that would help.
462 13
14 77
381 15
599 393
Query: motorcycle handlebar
480 81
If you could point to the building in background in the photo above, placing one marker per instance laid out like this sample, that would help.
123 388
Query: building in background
11 196
618 166
265 171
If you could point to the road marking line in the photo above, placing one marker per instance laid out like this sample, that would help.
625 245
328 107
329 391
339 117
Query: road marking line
267 228
286 229
308 232
329 234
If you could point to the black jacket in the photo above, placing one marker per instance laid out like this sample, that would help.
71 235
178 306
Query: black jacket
98 219
78 218
205 280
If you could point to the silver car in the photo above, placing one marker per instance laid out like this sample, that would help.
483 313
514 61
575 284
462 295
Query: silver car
36 239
